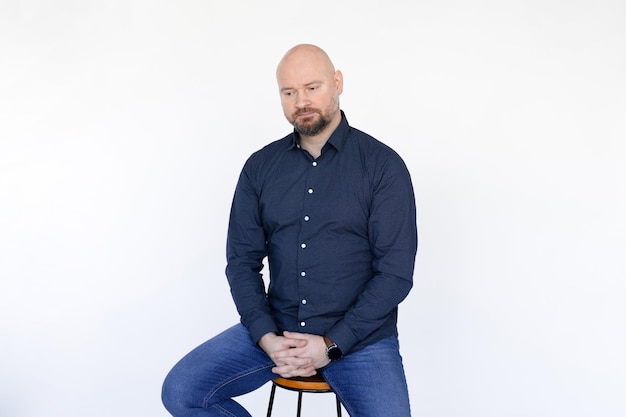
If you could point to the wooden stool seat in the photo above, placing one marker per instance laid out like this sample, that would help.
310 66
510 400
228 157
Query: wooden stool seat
315 383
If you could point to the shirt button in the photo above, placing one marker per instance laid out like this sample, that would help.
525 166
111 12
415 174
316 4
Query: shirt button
302 324
306 218
303 274
310 190
314 164
303 245
303 301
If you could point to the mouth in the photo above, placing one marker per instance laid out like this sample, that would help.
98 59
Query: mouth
305 114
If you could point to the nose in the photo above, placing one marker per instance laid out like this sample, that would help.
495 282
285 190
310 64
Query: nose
302 99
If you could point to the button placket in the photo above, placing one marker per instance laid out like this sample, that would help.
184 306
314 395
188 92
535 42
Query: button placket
307 217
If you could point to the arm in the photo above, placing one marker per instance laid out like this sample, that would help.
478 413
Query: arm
246 248
393 243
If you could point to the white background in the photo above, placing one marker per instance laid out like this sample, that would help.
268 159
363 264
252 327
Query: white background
123 127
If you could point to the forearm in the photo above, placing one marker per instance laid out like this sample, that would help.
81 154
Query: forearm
248 292
373 309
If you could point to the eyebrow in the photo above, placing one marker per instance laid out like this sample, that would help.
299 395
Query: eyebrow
305 85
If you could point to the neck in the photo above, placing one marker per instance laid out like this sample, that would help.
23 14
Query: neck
314 144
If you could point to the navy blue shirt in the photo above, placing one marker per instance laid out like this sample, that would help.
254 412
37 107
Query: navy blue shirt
339 233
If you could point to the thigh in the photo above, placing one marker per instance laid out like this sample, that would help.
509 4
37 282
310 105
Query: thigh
228 365
371 381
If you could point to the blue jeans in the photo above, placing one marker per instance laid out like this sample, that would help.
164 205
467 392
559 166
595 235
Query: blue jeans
204 382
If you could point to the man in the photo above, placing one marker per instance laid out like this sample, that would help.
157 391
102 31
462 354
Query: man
333 211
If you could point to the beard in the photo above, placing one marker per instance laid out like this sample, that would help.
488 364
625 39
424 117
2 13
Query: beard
312 125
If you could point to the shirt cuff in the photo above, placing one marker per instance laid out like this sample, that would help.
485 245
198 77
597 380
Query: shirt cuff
261 327
343 337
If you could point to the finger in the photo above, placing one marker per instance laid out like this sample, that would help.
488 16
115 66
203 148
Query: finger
294 343
295 352
292 360
295 335
291 370
308 371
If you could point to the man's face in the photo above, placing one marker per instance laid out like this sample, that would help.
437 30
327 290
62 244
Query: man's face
309 95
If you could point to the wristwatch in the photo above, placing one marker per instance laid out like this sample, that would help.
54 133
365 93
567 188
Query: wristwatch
332 350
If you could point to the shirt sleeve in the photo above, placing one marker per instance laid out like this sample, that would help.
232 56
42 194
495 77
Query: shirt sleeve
393 241
245 250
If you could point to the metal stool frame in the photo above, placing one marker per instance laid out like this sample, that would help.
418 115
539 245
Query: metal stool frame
314 384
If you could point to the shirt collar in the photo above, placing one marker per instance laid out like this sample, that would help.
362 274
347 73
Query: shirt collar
337 139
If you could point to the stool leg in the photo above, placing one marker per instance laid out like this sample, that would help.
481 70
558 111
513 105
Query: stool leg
271 404
299 403
338 406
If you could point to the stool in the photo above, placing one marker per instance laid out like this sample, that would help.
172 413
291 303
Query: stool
315 383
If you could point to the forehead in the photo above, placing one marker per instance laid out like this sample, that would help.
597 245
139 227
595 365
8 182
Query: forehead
302 69
299 78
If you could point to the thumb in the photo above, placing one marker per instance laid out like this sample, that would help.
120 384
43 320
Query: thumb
294 335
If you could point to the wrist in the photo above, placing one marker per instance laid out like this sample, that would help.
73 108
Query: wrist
266 339
327 341
333 352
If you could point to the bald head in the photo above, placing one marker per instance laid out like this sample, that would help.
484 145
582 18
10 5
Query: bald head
305 55
309 89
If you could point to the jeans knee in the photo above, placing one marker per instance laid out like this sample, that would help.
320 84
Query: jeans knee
172 396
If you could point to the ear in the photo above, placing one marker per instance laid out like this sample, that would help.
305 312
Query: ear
339 81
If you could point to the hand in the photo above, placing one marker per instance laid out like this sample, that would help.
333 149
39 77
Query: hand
315 348
295 354
283 352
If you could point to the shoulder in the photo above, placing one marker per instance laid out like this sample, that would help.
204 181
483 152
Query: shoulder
262 163
372 151
270 152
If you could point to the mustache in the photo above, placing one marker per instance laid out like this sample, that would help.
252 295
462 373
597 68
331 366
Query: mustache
306 110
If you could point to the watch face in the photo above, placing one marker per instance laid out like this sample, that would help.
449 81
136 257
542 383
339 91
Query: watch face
334 353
